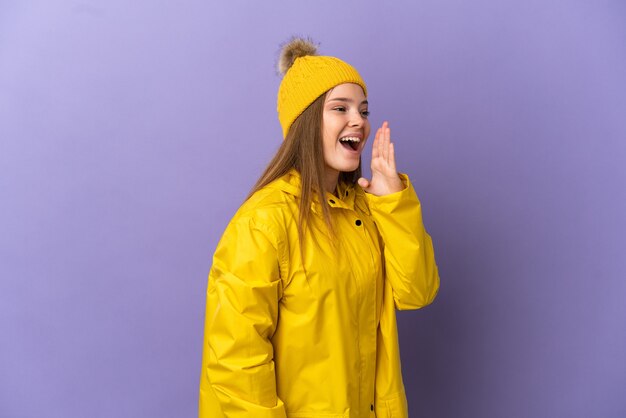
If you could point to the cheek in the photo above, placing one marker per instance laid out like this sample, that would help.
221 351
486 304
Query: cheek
328 139
332 128
329 127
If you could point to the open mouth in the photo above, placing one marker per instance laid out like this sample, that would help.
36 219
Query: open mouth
350 142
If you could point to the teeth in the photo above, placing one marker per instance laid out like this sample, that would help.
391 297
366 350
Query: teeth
350 138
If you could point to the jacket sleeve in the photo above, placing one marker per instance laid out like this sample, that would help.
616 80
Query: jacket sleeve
238 378
409 257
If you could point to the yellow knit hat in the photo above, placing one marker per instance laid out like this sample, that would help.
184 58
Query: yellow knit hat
306 77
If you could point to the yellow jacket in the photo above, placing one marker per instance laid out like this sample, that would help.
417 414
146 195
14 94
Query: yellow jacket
287 337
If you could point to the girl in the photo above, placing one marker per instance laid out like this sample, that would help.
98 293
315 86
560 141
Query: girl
301 299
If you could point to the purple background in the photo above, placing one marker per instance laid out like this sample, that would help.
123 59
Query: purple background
130 132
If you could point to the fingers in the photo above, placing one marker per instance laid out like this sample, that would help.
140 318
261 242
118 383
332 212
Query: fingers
386 140
375 144
383 147
363 182
381 141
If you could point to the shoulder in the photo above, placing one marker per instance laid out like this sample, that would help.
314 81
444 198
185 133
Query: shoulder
261 225
272 209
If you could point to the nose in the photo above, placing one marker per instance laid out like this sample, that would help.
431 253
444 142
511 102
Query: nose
356 119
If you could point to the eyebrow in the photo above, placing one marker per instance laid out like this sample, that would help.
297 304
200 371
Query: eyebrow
345 99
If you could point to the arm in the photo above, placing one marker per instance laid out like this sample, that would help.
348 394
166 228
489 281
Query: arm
409 256
238 378
408 250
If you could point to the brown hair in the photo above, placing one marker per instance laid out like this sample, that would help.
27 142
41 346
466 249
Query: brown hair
302 149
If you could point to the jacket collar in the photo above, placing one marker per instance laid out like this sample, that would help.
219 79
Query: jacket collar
350 195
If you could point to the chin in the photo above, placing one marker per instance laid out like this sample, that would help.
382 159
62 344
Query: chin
344 165
347 168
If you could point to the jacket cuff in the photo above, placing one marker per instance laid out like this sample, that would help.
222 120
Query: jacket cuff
388 202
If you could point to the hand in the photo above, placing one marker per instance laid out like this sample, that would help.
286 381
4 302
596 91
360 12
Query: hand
385 179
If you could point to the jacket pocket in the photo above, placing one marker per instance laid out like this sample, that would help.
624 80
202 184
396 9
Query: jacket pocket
394 407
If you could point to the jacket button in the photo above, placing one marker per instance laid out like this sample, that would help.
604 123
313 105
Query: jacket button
358 222
332 201
371 407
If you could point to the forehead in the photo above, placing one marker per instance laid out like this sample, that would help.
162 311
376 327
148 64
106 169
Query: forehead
346 90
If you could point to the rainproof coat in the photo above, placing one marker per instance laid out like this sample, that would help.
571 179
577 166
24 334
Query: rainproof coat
287 336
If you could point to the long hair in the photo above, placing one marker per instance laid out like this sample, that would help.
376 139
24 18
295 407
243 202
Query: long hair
302 149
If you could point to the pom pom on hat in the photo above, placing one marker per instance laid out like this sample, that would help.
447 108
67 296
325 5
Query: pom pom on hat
296 47
306 76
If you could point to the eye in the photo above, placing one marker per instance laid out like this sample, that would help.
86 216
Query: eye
365 113
340 108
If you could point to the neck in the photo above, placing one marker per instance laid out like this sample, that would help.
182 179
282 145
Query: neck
331 179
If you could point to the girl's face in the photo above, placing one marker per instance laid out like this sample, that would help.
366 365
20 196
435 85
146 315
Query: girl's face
345 127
